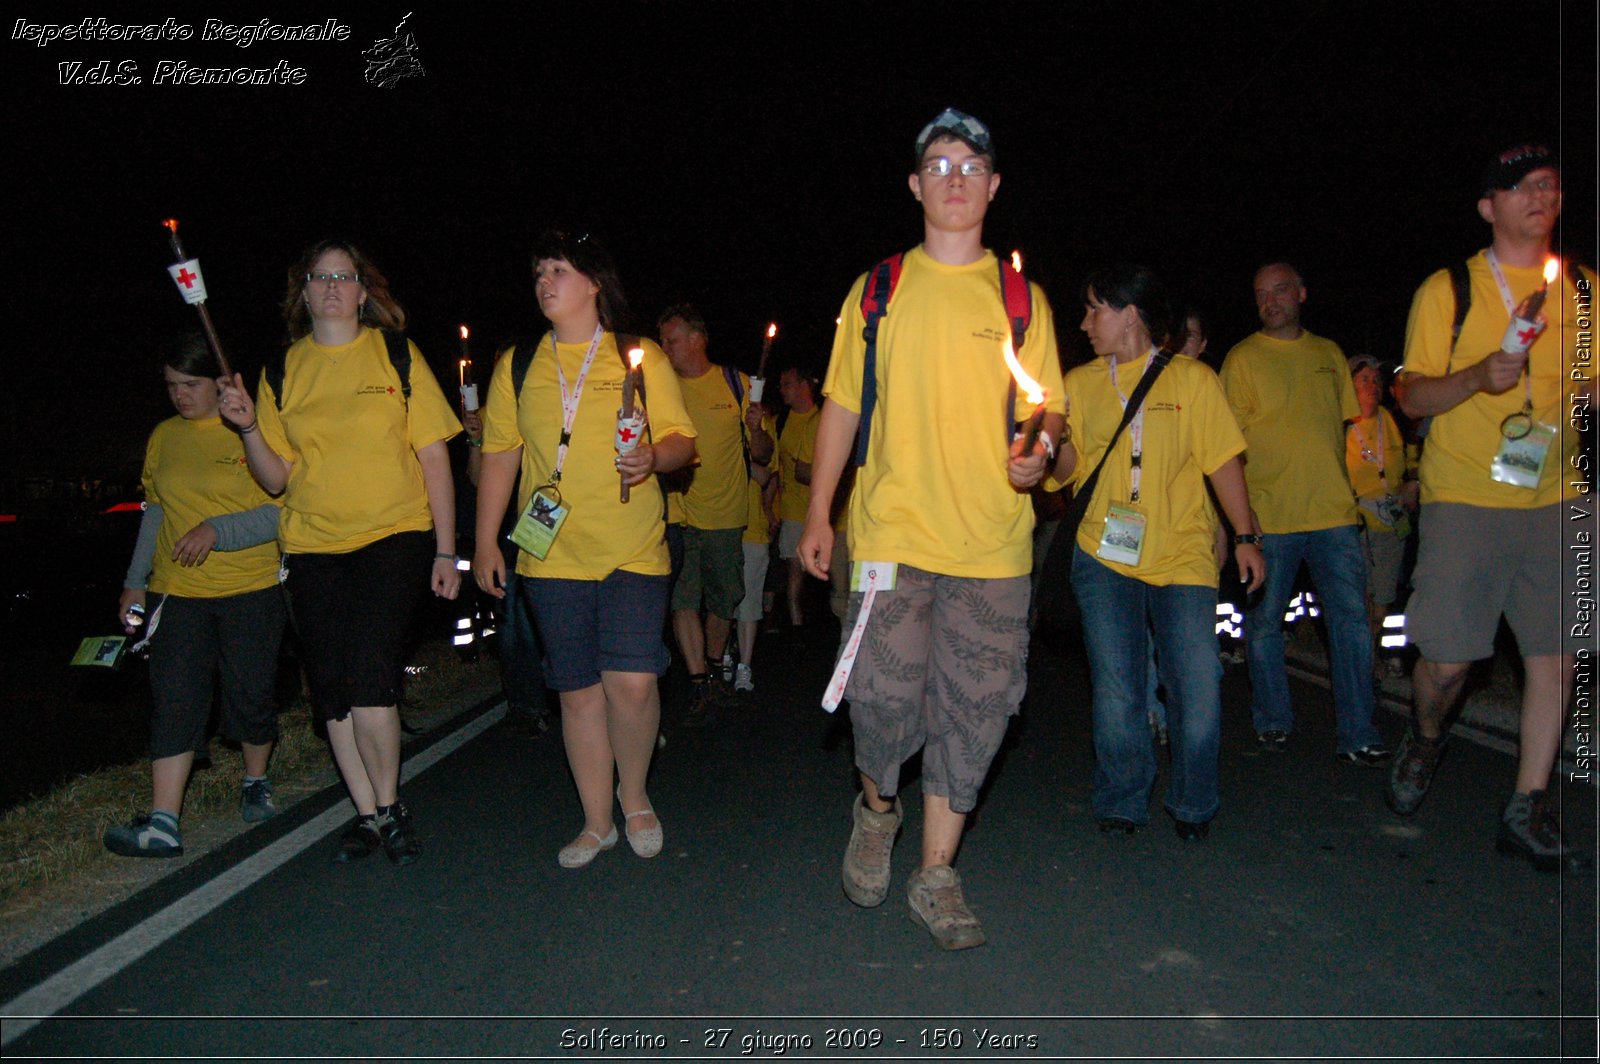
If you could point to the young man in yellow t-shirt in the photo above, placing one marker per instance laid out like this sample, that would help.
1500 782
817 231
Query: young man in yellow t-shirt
1292 394
941 502
715 504
1506 519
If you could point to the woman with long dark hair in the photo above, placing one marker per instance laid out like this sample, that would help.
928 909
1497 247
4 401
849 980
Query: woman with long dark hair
352 433
1143 560
594 568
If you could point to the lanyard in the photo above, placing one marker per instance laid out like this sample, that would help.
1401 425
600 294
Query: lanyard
569 403
1511 312
1135 427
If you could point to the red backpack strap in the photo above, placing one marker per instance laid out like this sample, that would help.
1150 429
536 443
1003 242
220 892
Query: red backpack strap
875 296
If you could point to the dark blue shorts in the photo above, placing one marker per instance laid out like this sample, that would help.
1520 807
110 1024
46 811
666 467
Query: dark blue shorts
594 626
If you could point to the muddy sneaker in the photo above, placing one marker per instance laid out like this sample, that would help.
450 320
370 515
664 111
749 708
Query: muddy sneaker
934 895
1411 773
255 802
1530 828
146 835
744 679
866 859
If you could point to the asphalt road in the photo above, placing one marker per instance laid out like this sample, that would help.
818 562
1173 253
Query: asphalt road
1313 922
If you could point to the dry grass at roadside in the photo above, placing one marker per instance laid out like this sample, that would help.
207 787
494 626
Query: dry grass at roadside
54 869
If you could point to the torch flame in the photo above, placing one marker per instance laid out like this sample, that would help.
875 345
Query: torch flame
1029 386
772 330
170 223
464 332
635 356
1552 269
1016 261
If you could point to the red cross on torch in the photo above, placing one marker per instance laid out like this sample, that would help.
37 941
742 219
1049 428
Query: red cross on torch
630 383
194 289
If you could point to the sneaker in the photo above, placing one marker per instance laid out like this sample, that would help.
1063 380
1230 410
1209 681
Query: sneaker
144 836
399 836
1370 756
934 895
255 804
1273 742
1530 828
866 859
1412 772
699 713
743 680
360 839
727 666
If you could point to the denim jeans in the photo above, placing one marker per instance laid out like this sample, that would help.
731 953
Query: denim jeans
1119 613
1339 571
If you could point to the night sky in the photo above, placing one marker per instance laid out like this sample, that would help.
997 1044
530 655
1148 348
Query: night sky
752 157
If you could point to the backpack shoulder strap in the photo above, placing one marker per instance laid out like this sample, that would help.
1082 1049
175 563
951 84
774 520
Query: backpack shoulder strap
1461 286
273 373
521 360
875 296
400 357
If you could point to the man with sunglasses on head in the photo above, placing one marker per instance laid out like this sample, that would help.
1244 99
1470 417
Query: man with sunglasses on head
1507 391
940 525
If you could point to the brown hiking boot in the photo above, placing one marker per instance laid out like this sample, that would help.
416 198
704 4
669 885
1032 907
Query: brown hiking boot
1411 772
866 859
934 895
1530 828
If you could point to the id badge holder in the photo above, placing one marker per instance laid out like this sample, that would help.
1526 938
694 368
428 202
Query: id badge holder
884 573
1521 461
1123 538
540 522
1392 513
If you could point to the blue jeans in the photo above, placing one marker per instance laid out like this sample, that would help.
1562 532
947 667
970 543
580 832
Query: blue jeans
1339 571
1119 612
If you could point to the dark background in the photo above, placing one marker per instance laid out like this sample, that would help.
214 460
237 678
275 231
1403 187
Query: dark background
752 157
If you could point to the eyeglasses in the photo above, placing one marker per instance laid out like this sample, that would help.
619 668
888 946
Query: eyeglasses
333 278
940 166
1543 184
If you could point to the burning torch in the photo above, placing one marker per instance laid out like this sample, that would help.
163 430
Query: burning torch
186 275
1035 394
629 427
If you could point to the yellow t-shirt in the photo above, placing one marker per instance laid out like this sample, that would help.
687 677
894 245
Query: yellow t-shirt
1462 442
933 492
602 534
352 440
756 529
1375 471
1291 399
716 495
196 470
797 444
1189 433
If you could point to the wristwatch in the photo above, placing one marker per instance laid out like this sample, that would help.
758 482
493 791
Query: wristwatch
1247 537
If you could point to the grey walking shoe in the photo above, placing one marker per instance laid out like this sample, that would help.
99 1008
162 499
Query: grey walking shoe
1411 773
934 895
866 859
1530 828
255 802
144 836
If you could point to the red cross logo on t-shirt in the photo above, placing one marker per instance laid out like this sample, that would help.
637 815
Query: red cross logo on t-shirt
390 389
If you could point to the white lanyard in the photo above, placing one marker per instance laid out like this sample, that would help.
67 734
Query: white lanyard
1135 427
569 403
1511 312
